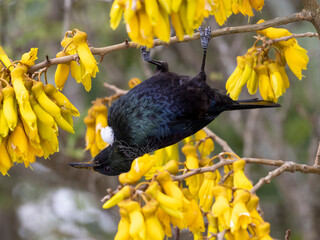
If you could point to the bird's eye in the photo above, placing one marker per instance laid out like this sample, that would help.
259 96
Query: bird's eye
107 169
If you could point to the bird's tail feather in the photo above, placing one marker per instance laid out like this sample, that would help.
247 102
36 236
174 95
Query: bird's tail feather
251 104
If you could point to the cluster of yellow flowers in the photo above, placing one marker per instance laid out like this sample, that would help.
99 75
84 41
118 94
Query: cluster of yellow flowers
146 19
30 113
256 69
76 42
150 209
95 121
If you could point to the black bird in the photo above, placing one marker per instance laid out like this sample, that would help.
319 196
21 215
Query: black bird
159 112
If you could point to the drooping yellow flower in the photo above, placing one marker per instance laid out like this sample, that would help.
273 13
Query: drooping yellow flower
4 58
193 216
236 75
116 12
86 58
263 231
295 55
137 228
206 194
240 216
5 160
18 144
297 59
118 197
276 80
164 218
206 145
265 86
239 179
123 226
153 226
29 57
212 226
139 167
194 182
62 71
10 107
170 205
221 208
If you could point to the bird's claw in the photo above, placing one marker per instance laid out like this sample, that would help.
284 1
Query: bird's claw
205 36
145 54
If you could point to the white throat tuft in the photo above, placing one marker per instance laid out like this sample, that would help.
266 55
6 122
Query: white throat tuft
107 135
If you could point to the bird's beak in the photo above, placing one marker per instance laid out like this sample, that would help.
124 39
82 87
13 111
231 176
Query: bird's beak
85 165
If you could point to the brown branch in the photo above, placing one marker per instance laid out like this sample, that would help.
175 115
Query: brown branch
225 146
301 16
295 35
117 90
312 8
285 167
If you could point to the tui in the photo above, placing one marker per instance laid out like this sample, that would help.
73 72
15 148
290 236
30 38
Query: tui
159 112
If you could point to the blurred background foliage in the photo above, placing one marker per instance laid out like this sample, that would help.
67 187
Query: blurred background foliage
55 201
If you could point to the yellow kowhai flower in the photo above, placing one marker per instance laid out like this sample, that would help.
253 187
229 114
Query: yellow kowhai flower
220 207
76 69
265 86
123 226
206 145
212 226
4 58
5 160
18 145
4 127
153 225
137 229
193 216
240 216
239 178
62 72
206 195
164 218
221 9
194 182
10 107
263 231
124 193
86 58
170 205
139 167
29 58
297 59
295 55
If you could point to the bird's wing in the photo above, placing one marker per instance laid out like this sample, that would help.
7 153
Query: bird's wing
161 111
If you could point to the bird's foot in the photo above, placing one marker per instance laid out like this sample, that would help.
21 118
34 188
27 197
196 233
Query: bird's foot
161 65
205 36
145 54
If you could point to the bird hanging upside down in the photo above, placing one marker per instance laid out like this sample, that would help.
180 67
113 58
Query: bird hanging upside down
159 112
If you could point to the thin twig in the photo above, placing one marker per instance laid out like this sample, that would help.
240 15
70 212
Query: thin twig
217 139
272 174
295 35
301 16
286 166
115 89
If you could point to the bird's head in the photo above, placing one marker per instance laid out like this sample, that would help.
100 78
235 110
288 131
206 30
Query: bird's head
108 162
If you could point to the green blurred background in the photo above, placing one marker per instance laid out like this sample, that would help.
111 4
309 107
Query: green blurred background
55 201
